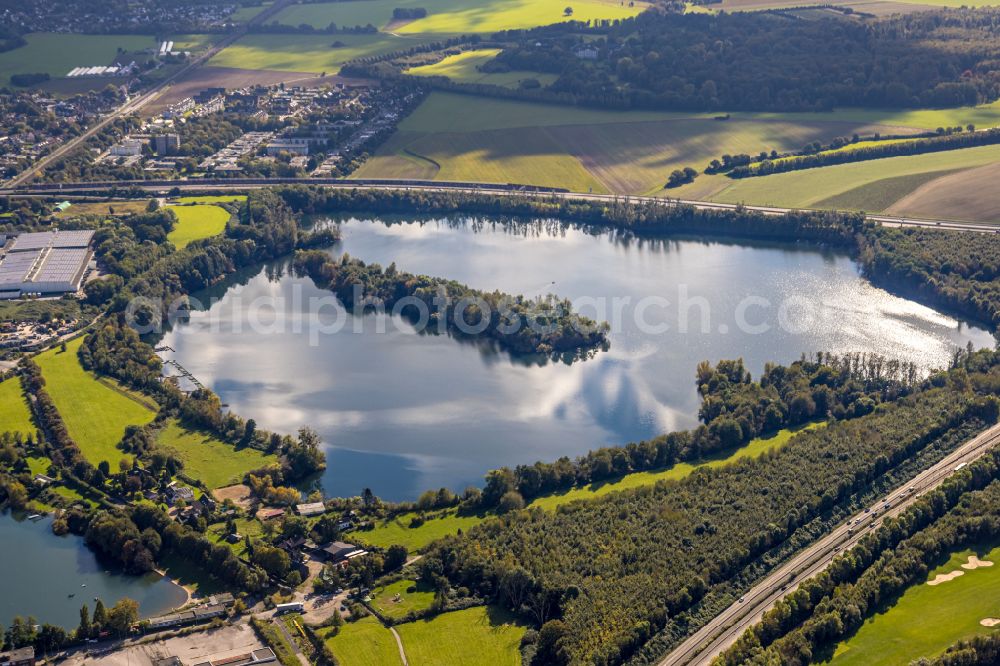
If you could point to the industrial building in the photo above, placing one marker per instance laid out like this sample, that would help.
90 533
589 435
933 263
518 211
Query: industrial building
46 263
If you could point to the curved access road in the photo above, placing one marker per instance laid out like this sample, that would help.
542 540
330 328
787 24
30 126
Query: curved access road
711 640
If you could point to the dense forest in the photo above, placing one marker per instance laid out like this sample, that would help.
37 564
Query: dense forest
545 325
833 605
617 579
734 410
769 61
957 271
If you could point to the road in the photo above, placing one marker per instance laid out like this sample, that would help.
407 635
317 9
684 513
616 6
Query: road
158 187
712 639
135 104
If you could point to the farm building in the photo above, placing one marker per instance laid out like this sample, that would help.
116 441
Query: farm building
310 509
45 263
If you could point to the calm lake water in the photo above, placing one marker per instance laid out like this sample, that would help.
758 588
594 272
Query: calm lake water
403 412
41 570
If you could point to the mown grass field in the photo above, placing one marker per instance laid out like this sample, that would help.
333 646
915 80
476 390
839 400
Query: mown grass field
927 619
214 463
95 413
462 68
305 53
197 222
459 137
397 531
363 643
478 636
14 413
383 598
57 53
447 17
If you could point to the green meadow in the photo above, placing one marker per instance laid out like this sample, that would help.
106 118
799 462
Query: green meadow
211 199
305 53
927 619
214 463
197 222
96 412
363 643
395 601
14 413
463 68
448 17
480 636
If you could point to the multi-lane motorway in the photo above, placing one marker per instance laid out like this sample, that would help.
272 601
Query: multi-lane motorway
712 639
214 185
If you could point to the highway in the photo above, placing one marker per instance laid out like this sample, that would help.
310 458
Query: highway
212 185
135 104
711 640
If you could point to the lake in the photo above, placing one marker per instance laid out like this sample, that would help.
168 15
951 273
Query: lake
403 411
41 570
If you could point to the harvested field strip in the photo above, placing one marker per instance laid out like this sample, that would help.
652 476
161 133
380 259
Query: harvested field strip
968 195
878 195
806 188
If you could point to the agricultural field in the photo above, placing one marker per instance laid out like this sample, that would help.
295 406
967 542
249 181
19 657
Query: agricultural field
451 17
14 413
363 643
874 7
931 616
197 222
458 137
96 411
852 186
305 53
462 68
396 601
214 463
57 53
481 636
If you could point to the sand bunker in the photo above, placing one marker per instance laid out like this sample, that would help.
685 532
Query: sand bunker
974 563
989 622
944 578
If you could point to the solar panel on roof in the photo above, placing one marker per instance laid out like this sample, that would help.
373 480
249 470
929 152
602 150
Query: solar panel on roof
61 265
42 239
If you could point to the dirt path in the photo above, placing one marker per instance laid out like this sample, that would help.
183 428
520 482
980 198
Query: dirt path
399 644
291 641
